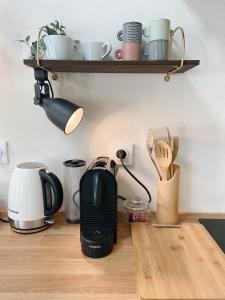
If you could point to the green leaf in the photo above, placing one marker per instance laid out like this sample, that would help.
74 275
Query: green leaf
57 24
27 38
33 50
53 25
53 32
42 45
34 44
22 41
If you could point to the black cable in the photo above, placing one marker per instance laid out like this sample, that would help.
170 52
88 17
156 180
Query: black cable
121 197
51 89
74 200
3 220
138 181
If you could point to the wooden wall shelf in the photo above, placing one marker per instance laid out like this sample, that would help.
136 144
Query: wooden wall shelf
82 66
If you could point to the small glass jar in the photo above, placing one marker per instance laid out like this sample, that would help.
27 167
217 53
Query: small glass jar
137 210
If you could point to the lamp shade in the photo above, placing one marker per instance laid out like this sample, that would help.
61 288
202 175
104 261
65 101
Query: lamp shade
64 114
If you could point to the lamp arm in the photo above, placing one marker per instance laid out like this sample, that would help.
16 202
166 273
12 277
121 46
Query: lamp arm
41 91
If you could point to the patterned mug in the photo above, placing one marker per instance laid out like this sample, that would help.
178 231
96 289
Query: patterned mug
129 51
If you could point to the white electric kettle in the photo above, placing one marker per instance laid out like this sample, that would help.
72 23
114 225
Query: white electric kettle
34 196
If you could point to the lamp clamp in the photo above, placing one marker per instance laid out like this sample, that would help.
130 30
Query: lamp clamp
41 87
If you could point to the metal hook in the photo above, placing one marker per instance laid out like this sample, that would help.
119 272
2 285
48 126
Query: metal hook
54 75
177 68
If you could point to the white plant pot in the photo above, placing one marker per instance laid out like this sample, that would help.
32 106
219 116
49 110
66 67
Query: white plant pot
59 47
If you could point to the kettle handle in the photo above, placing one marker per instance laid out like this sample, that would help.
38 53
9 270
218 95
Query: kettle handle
50 179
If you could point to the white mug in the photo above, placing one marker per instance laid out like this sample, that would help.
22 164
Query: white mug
59 47
158 30
95 50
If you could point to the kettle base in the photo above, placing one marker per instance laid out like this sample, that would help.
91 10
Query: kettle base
28 226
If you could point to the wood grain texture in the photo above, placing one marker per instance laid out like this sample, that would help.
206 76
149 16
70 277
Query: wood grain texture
50 265
182 263
113 66
168 199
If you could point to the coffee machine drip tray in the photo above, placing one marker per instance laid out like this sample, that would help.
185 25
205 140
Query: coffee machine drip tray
216 227
96 242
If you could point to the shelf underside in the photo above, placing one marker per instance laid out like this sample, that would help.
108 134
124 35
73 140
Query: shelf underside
105 66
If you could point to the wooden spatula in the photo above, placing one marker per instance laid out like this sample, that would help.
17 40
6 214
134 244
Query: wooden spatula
163 156
150 144
175 141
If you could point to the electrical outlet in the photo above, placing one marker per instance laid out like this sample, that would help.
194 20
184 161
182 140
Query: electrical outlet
3 152
122 145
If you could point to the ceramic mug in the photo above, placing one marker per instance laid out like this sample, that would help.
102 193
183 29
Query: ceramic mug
59 47
158 30
157 50
129 51
159 35
132 32
95 50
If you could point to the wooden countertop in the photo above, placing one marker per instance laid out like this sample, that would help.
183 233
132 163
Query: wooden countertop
178 263
49 265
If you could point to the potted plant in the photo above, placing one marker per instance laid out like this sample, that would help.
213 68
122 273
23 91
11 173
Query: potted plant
30 48
58 45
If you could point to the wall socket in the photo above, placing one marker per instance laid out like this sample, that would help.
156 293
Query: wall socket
121 145
3 153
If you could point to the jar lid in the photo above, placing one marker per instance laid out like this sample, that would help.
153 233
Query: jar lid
135 204
74 163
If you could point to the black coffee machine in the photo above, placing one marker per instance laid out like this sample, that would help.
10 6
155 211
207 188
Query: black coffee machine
98 208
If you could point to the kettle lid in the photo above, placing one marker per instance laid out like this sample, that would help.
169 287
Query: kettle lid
30 165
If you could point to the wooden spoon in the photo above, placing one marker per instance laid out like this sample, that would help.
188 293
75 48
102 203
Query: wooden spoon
163 155
175 142
150 143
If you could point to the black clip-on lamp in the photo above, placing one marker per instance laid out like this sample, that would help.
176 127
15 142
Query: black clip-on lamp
64 114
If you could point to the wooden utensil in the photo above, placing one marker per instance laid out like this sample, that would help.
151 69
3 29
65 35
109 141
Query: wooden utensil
161 134
150 143
175 148
163 155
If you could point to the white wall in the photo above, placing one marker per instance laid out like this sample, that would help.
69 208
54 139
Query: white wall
120 106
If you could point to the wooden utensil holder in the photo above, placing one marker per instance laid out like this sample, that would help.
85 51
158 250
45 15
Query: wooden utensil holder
168 199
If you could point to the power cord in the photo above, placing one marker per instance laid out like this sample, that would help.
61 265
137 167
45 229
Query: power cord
121 154
121 197
51 89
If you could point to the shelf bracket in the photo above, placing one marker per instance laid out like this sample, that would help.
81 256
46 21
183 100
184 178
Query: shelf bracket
176 68
54 75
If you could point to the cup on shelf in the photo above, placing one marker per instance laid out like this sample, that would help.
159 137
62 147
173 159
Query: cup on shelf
158 30
129 51
157 50
159 36
131 32
95 50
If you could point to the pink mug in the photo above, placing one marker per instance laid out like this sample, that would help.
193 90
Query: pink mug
129 51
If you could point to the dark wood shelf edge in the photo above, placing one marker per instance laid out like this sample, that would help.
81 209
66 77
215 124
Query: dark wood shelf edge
82 66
